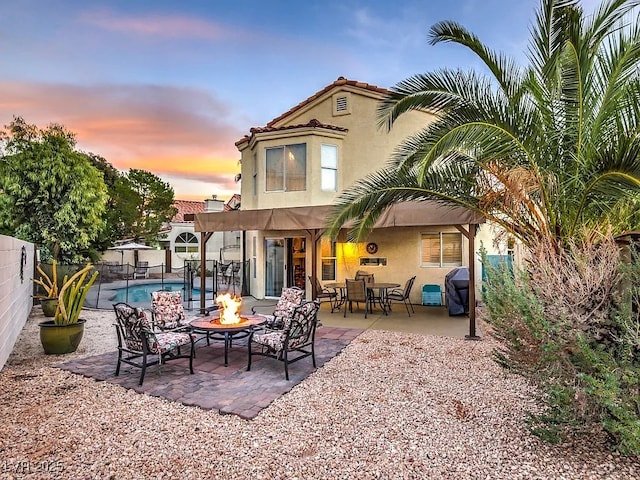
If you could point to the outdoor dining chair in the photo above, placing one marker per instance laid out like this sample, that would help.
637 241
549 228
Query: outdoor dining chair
398 295
167 311
289 299
356 291
326 293
140 346
297 337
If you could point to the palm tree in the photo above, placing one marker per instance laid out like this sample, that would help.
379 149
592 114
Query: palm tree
549 151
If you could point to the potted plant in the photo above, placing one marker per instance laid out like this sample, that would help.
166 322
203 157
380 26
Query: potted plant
48 301
64 332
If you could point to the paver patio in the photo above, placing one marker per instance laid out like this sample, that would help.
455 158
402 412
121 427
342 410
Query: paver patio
231 389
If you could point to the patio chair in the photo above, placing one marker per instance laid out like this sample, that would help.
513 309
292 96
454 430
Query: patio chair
167 311
296 337
329 294
137 340
356 292
398 295
366 276
290 298
141 271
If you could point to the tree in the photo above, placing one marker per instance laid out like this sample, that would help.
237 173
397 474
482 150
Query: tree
548 151
121 212
52 195
152 200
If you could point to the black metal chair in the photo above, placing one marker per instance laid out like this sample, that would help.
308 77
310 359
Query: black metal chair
356 291
398 295
325 293
297 336
137 340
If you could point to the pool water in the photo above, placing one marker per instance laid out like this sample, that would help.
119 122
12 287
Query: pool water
142 293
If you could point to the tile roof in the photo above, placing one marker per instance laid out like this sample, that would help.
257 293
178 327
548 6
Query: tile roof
186 207
313 123
338 83
233 203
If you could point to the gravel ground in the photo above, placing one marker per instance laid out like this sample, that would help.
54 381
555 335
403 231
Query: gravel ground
391 406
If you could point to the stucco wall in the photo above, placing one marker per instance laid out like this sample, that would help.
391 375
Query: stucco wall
363 149
15 292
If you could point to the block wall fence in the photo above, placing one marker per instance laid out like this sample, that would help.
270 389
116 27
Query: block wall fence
16 289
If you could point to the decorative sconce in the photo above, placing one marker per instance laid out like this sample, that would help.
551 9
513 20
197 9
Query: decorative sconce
23 262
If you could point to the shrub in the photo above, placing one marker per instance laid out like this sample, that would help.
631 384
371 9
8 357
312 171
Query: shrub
569 323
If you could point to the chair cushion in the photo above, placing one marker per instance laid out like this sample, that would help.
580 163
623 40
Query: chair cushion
163 342
272 340
289 300
134 322
168 310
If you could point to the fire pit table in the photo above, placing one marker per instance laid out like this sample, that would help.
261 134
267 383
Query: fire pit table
227 331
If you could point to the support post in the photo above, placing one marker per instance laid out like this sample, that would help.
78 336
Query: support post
471 236
204 238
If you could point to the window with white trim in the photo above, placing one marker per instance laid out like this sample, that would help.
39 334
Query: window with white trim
186 243
328 258
329 168
286 168
441 250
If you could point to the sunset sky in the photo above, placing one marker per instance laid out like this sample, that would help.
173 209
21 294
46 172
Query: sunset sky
170 86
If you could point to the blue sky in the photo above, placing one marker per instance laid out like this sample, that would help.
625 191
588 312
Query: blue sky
169 86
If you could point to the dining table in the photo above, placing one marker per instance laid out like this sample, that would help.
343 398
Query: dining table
382 289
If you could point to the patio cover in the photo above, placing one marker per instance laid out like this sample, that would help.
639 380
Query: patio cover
407 214
313 219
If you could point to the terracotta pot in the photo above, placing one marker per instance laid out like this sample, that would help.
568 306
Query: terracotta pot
59 339
49 306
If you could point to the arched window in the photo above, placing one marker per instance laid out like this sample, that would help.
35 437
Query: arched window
186 243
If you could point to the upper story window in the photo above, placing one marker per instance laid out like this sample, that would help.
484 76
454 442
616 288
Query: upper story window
441 250
286 168
329 168
186 243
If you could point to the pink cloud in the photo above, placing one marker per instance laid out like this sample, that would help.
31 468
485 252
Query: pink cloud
171 131
158 25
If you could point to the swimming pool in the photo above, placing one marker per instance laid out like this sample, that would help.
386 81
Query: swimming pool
142 293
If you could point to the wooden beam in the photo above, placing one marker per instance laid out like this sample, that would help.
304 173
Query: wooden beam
316 234
204 238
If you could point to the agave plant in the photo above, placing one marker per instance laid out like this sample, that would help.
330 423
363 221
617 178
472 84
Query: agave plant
48 283
72 295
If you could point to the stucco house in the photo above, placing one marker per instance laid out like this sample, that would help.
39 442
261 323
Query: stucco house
178 241
184 243
293 168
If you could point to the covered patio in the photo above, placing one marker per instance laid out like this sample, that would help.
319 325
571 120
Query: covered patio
313 220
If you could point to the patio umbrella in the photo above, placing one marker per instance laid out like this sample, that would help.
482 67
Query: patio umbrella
128 247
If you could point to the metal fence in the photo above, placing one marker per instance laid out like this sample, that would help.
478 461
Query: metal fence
133 284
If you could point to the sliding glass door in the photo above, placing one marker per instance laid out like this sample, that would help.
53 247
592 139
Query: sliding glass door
274 266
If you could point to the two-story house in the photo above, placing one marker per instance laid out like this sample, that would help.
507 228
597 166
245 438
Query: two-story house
293 168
